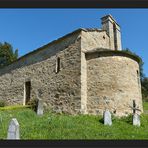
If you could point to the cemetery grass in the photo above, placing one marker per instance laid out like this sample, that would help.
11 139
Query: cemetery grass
145 105
56 127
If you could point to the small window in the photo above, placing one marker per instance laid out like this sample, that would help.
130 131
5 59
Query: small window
57 64
138 77
134 106
137 72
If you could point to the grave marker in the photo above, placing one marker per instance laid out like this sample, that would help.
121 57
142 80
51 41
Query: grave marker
13 130
40 108
136 120
107 118
136 117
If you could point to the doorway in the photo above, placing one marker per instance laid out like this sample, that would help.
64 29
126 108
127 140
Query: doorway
27 92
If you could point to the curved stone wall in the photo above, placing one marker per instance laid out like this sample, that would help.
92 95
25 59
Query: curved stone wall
113 82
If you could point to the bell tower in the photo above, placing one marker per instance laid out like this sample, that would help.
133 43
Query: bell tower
113 30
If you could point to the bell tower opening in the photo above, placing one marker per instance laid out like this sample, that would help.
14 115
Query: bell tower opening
113 30
115 36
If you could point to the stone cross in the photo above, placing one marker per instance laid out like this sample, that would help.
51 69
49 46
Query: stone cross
13 130
39 93
107 118
136 120
136 117
40 108
135 108
106 101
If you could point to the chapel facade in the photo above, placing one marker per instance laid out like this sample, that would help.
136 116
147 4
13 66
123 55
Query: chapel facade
84 72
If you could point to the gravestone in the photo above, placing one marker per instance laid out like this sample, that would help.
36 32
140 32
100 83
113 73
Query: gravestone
13 130
107 118
136 119
40 107
40 102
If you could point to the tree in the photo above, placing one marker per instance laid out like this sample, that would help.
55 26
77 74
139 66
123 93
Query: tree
7 55
144 85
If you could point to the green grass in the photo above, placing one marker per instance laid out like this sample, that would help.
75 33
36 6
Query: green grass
14 107
53 126
145 105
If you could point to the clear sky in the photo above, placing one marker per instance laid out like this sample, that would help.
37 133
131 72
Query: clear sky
29 29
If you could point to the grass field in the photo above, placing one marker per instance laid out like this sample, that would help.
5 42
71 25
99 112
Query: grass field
145 105
53 126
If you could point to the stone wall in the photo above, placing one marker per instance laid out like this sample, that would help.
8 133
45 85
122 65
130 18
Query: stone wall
59 91
91 78
112 82
90 39
94 39
43 52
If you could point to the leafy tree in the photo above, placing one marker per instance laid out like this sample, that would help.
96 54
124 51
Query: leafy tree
144 84
7 55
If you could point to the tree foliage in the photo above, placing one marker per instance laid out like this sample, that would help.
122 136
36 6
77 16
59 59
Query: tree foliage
144 85
7 55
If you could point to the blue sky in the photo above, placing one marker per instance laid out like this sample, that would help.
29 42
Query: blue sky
29 29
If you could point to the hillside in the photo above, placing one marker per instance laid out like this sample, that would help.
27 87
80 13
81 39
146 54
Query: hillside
53 126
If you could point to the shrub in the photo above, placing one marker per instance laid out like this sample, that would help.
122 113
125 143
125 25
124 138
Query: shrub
2 103
33 104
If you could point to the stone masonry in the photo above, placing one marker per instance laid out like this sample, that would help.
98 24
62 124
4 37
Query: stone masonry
82 72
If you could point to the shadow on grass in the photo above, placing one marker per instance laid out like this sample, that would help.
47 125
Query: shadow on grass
128 119
101 121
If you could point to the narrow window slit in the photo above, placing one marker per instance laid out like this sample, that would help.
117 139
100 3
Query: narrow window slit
115 36
138 77
58 66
